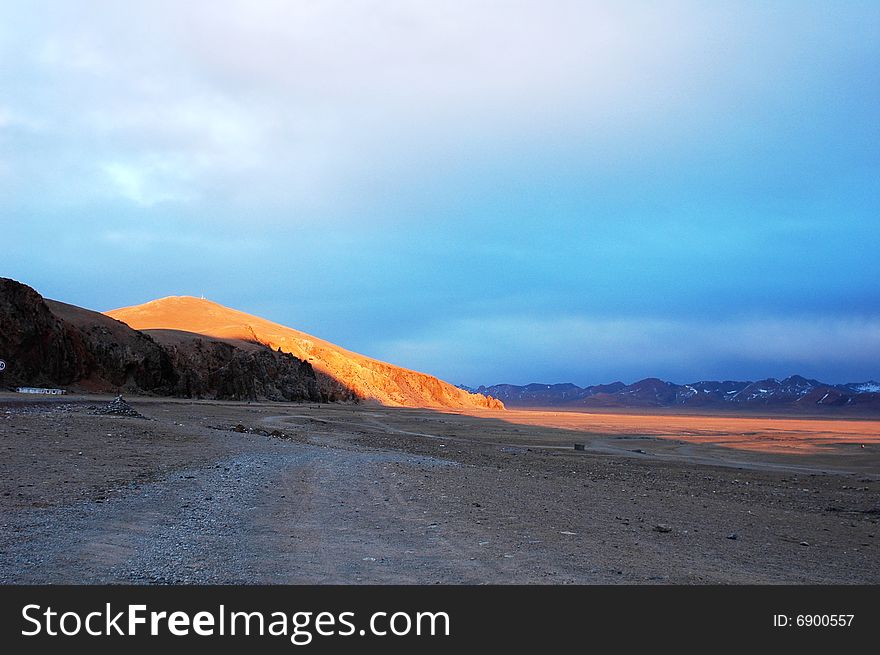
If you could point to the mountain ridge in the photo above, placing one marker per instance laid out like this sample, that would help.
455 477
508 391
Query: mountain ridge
210 351
337 368
794 392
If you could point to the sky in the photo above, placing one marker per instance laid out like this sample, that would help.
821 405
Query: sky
491 192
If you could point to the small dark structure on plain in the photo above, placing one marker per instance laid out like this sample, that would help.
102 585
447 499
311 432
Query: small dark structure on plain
118 407
580 446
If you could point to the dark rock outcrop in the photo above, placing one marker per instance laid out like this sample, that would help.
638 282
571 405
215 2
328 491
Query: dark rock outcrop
36 346
119 358
43 349
220 370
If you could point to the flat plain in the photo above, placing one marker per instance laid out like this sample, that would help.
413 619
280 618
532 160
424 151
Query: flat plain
225 492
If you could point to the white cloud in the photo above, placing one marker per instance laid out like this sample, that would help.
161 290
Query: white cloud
148 183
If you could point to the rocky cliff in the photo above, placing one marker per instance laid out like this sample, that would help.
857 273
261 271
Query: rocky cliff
207 368
41 348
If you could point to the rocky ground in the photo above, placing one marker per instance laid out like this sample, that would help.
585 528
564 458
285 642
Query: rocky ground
210 492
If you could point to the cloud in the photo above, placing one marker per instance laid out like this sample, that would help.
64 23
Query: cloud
586 350
148 183
543 162
321 107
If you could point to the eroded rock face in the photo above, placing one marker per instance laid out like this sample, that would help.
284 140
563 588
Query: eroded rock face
119 357
52 344
39 348
214 369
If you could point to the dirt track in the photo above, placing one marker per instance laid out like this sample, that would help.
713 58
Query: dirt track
371 494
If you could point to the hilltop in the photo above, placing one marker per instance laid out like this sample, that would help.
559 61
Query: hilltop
195 348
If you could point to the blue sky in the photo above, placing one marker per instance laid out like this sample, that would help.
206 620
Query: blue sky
487 191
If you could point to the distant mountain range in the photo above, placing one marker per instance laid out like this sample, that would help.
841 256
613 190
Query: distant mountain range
795 393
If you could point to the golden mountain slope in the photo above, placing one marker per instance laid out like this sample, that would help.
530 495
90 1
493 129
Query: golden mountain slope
366 377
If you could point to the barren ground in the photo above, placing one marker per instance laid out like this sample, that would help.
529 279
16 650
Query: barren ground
370 494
